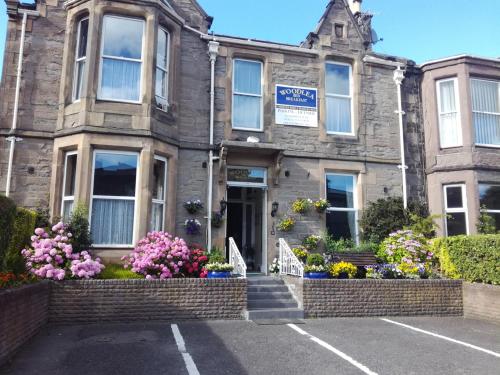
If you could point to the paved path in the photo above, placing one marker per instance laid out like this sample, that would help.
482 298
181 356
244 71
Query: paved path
324 346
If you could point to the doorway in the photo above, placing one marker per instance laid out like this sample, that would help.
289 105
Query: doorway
245 216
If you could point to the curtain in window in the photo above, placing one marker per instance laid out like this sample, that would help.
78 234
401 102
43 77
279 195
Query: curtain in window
486 108
247 77
247 94
449 127
338 115
247 111
112 221
121 79
67 210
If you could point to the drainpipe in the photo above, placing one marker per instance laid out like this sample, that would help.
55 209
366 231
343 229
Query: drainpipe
399 76
213 51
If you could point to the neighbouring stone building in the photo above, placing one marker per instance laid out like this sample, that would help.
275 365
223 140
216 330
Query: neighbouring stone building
133 107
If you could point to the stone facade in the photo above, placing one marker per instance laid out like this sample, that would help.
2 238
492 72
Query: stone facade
91 301
24 311
364 297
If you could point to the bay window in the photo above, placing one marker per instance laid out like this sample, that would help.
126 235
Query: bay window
486 111
80 58
121 59
455 204
338 97
247 95
113 200
162 59
342 216
68 188
450 129
489 200
159 194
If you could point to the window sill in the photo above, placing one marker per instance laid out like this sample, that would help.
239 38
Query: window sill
248 130
486 146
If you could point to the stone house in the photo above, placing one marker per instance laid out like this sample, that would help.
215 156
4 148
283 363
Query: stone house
133 108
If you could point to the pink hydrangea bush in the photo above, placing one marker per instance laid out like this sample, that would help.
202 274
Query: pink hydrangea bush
51 256
159 256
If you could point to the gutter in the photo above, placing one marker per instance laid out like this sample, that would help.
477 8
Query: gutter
12 138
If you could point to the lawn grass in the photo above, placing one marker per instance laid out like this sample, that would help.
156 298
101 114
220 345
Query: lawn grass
116 271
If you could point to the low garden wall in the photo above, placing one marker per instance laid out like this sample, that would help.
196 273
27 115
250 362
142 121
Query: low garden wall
23 311
368 297
89 301
482 301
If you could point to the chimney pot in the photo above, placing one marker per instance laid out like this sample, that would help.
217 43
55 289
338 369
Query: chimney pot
355 6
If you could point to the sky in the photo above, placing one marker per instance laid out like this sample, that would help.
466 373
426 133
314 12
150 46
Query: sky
420 30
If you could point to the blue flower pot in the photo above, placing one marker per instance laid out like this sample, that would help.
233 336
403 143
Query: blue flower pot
219 274
316 275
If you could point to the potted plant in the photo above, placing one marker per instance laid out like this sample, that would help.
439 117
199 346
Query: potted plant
315 267
301 205
192 226
343 270
286 224
193 206
321 205
311 242
301 253
217 219
219 270
274 268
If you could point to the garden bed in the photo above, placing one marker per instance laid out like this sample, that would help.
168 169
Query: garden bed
367 297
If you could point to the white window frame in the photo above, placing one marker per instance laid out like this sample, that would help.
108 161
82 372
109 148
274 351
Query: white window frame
486 113
457 111
350 97
261 96
487 210
354 198
79 60
462 209
141 60
69 198
161 99
134 198
247 184
163 201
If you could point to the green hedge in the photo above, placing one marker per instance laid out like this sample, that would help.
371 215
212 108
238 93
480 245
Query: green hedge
7 216
22 230
472 258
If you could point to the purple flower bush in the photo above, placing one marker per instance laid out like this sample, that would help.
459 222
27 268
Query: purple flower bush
51 256
159 256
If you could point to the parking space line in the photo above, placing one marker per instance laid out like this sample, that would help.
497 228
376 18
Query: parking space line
327 346
181 345
443 337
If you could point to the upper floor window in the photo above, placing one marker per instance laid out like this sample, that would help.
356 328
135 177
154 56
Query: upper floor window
342 215
450 130
247 95
162 60
80 57
455 209
338 92
121 59
489 200
486 111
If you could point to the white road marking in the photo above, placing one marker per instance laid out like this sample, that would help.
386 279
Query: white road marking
342 355
181 345
443 337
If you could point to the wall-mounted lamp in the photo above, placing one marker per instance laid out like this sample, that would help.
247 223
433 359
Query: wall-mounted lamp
275 209
223 206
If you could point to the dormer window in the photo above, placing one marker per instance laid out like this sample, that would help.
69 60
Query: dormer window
121 59
80 57
162 60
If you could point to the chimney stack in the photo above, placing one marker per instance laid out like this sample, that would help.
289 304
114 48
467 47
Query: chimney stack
355 6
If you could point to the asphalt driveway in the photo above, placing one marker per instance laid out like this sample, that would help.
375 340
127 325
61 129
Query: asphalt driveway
323 346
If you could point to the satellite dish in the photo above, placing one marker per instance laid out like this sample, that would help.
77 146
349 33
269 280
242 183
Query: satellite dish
375 38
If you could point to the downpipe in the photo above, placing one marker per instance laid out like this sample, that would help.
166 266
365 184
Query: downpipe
399 76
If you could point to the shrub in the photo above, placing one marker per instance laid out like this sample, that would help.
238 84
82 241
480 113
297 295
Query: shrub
405 246
159 256
79 226
9 279
338 269
486 223
51 256
301 253
196 266
315 260
7 215
23 228
425 226
384 216
337 246
311 242
43 218
472 258
216 256
116 271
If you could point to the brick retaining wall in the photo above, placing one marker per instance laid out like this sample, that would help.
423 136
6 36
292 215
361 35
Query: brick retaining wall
363 298
23 311
482 301
91 301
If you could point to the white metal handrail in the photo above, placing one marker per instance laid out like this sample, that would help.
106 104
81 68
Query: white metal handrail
236 260
289 263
